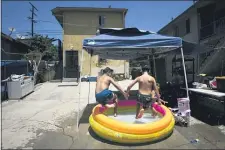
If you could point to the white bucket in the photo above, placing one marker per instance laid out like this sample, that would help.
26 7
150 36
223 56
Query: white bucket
184 108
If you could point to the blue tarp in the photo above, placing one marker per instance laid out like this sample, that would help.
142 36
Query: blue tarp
129 43
13 62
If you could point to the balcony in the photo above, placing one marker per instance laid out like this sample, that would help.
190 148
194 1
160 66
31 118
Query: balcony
215 28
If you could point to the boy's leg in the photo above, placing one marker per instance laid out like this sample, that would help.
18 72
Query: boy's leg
140 111
110 105
115 100
137 109
154 112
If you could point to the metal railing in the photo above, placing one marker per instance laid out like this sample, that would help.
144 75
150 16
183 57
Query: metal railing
214 28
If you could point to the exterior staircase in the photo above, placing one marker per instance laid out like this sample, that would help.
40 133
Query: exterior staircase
211 64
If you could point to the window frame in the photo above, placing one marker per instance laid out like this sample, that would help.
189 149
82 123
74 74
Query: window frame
188 26
101 20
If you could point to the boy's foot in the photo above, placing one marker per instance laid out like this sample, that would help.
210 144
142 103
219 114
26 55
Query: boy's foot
153 115
140 113
110 105
96 111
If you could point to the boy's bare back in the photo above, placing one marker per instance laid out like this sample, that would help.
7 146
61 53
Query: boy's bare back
146 83
102 83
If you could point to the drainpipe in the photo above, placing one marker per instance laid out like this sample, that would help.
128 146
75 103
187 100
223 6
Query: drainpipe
63 51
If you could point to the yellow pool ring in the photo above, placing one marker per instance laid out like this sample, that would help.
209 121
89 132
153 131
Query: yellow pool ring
134 128
120 137
122 132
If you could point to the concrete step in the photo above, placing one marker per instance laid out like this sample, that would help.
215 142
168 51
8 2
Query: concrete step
70 80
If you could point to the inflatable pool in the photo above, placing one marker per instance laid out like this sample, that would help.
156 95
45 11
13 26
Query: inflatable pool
126 129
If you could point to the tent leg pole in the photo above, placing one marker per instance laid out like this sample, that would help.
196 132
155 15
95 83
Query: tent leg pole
154 67
78 106
89 80
185 75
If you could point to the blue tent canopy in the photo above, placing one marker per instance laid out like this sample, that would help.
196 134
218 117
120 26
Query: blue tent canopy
129 43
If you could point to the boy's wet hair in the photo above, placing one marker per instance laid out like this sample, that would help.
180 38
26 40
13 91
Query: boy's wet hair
107 70
145 68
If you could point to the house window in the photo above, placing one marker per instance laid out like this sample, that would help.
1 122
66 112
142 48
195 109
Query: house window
176 31
101 21
188 30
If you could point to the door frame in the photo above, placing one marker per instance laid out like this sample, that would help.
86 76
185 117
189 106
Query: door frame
65 79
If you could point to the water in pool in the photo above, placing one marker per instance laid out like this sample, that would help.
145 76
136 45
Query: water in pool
130 118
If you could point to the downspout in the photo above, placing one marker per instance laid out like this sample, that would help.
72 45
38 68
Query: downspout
63 51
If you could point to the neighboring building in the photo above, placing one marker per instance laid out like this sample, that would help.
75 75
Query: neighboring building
82 22
10 45
202 23
12 52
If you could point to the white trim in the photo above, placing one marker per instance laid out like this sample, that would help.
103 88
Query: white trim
131 47
69 79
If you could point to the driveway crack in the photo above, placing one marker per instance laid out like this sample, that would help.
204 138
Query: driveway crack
58 126
22 120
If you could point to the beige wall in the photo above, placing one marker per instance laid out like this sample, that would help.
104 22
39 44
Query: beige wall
80 25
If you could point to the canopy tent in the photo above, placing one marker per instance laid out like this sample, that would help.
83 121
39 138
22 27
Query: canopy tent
130 43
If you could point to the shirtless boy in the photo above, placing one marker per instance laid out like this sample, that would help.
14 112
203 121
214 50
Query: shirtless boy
102 92
148 92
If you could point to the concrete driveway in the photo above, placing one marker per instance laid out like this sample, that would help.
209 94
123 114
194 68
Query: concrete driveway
46 119
42 111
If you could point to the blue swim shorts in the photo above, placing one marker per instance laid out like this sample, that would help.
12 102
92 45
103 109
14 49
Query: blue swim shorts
104 96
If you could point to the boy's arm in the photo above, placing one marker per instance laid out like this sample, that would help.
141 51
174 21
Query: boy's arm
96 84
155 88
117 86
165 102
132 84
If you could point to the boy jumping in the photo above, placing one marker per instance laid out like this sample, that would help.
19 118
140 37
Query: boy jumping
148 92
102 92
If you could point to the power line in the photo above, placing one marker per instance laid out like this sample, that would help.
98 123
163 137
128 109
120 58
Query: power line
64 23
32 18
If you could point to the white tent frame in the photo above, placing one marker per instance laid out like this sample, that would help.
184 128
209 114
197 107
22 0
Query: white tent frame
81 65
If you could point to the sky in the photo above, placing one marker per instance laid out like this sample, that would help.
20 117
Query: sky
145 15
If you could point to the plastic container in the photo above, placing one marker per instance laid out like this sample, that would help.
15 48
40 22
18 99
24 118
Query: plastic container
220 83
184 109
183 104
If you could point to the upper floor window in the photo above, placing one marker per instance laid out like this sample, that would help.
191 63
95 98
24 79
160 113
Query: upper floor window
101 21
176 31
188 29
